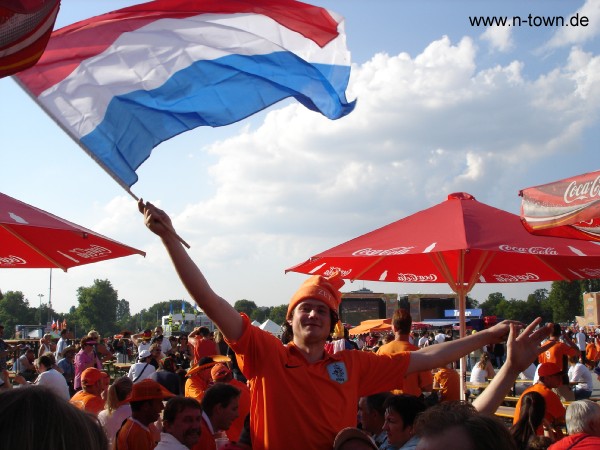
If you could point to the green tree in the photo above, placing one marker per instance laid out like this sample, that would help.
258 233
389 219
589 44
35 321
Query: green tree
245 306
97 308
491 306
565 300
15 310
277 314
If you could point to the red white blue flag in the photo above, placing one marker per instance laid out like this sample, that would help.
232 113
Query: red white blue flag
123 82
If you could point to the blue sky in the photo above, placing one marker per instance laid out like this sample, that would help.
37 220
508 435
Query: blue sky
442 107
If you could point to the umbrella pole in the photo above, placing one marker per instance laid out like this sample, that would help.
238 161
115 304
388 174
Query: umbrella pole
462 305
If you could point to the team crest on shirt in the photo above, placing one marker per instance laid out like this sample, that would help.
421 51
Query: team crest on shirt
337 372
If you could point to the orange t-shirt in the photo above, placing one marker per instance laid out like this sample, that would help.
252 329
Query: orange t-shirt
413 382
243 407
555 411
195 387
207 439
449 382
591 352
204 347
134 436
88 402
296 405
556 353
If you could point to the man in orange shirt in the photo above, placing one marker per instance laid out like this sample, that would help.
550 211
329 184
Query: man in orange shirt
220 407
559 353
414 383
447 380
203 344
550 378
89 398
220 373
146 403
298 390
199 377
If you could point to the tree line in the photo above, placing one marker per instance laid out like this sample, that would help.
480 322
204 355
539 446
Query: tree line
99 308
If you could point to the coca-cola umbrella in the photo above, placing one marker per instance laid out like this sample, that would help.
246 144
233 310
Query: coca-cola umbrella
460 242
33 238
565 208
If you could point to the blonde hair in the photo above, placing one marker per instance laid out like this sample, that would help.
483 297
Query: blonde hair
117 392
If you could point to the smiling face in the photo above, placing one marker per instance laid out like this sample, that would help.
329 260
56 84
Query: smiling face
186 426
311 322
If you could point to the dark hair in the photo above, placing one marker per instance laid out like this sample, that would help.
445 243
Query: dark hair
556 330
533 409
218 394
46 360
485 432
37 416
204 331
402 321
376 402
177 404
406 406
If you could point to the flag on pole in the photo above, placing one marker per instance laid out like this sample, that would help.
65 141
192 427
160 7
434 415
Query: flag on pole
64 324
123 82
183 309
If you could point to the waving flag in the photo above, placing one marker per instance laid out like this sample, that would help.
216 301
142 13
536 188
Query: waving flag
123 82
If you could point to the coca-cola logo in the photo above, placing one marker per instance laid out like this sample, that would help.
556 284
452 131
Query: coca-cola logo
385 252
515 278
414 278
529 250
591 272
11 260
575 191
332 270
93 252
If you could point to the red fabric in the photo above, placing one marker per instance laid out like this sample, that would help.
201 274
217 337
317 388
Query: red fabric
555 354
458 240
296 405
207 440
204 347
53 242
579 441
243 407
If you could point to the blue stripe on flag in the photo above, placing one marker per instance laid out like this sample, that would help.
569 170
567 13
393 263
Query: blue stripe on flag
214 93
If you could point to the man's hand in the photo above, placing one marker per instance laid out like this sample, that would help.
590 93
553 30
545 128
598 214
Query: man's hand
522 349
155 219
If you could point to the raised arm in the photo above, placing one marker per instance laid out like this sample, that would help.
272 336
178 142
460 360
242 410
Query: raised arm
439 355
216 308
521 350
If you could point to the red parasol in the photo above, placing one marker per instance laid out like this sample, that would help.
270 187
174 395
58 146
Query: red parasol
460 242
32 238
565 208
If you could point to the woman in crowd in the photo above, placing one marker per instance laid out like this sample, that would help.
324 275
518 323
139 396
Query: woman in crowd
481 373
117 408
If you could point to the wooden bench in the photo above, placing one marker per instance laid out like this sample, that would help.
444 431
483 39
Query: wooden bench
506 412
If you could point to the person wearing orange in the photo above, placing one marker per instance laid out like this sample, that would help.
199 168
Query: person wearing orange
414 383
550 377
203 343
447 381
591 353
219 410
220 373
146 401
558 353
298 389
89 398
199 377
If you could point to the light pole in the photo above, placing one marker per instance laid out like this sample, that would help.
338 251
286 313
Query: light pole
40 296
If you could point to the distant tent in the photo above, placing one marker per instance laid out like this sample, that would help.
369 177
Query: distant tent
271 327
256 323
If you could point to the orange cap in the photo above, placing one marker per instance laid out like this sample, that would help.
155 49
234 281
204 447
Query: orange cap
324 289
91 375
547 369
219 371
148 390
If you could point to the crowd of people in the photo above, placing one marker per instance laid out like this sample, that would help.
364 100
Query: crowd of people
243 388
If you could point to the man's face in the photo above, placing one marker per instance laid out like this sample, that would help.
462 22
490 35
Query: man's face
223 416
155 408
186 426
398 434
30 356
158 331
553 381
367 417
311 321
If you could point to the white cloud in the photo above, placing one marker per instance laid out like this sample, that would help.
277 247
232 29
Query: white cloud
298 183
498 38
569 35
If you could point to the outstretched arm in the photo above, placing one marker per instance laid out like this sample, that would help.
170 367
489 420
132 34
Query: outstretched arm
216 308
439 355
521 350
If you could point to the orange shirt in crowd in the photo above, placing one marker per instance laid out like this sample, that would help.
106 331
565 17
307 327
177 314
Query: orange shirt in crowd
555 354
591 352
204 347
195 386
448 381
134 436
297 405
555 411
207 439
243 407
413 382
88 402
